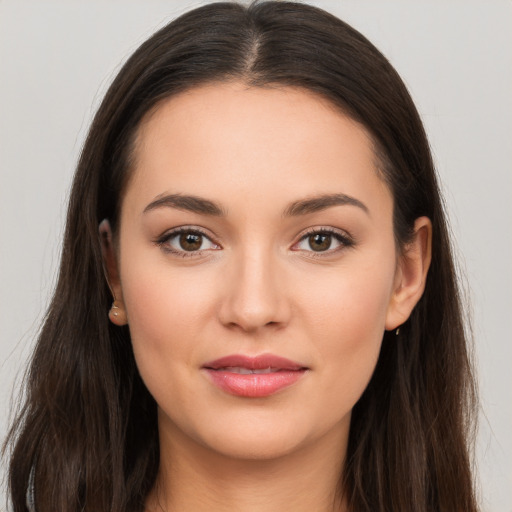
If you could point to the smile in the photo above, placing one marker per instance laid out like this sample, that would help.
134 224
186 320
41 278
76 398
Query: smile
253 377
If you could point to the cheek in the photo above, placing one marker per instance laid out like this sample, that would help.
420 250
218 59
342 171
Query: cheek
349 300
167 314
346 317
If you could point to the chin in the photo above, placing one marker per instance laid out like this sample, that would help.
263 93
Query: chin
264 446
261 435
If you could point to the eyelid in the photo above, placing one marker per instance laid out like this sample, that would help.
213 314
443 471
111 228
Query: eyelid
171 233
345 239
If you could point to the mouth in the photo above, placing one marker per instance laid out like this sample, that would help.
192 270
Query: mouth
253 377
247 371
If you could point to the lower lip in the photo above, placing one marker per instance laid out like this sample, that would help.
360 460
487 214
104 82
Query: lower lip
254 385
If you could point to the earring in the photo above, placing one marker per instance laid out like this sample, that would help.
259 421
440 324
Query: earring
117 313
397 331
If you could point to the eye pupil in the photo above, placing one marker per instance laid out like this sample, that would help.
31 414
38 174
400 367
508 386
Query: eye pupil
190 241
320 242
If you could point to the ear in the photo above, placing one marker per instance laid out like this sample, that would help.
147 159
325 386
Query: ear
117 313
411 274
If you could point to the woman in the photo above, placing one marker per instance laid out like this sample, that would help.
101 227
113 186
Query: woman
257 307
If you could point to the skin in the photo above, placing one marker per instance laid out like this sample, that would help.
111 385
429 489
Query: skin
257 286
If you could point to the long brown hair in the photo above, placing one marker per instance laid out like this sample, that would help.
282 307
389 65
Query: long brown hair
86 436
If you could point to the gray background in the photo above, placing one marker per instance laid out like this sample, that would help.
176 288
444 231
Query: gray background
58 57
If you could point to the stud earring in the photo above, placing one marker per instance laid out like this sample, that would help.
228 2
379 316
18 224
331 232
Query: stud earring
117 313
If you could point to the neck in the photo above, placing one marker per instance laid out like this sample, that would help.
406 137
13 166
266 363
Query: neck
193 477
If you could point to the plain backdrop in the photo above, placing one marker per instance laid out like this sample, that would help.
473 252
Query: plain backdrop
58 57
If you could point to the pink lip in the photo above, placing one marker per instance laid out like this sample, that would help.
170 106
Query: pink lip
223 374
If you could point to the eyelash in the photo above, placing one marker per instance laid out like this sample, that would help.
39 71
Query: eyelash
169 235
345 240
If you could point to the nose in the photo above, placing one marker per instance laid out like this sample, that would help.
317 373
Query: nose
254 295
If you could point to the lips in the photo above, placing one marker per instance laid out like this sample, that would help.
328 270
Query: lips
253 377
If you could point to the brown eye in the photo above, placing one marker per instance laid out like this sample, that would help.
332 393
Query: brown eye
325 241
186 242
320 242
191 241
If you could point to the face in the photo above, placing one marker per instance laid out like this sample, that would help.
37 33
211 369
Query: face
257 267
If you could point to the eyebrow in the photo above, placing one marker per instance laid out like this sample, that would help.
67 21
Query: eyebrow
204 206
188 203
322 202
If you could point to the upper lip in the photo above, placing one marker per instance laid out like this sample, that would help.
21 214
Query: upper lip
260 362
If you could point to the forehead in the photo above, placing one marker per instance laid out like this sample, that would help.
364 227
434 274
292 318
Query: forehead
275 142
252 109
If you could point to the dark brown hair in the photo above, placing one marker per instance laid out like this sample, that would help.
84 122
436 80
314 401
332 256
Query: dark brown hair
86 437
